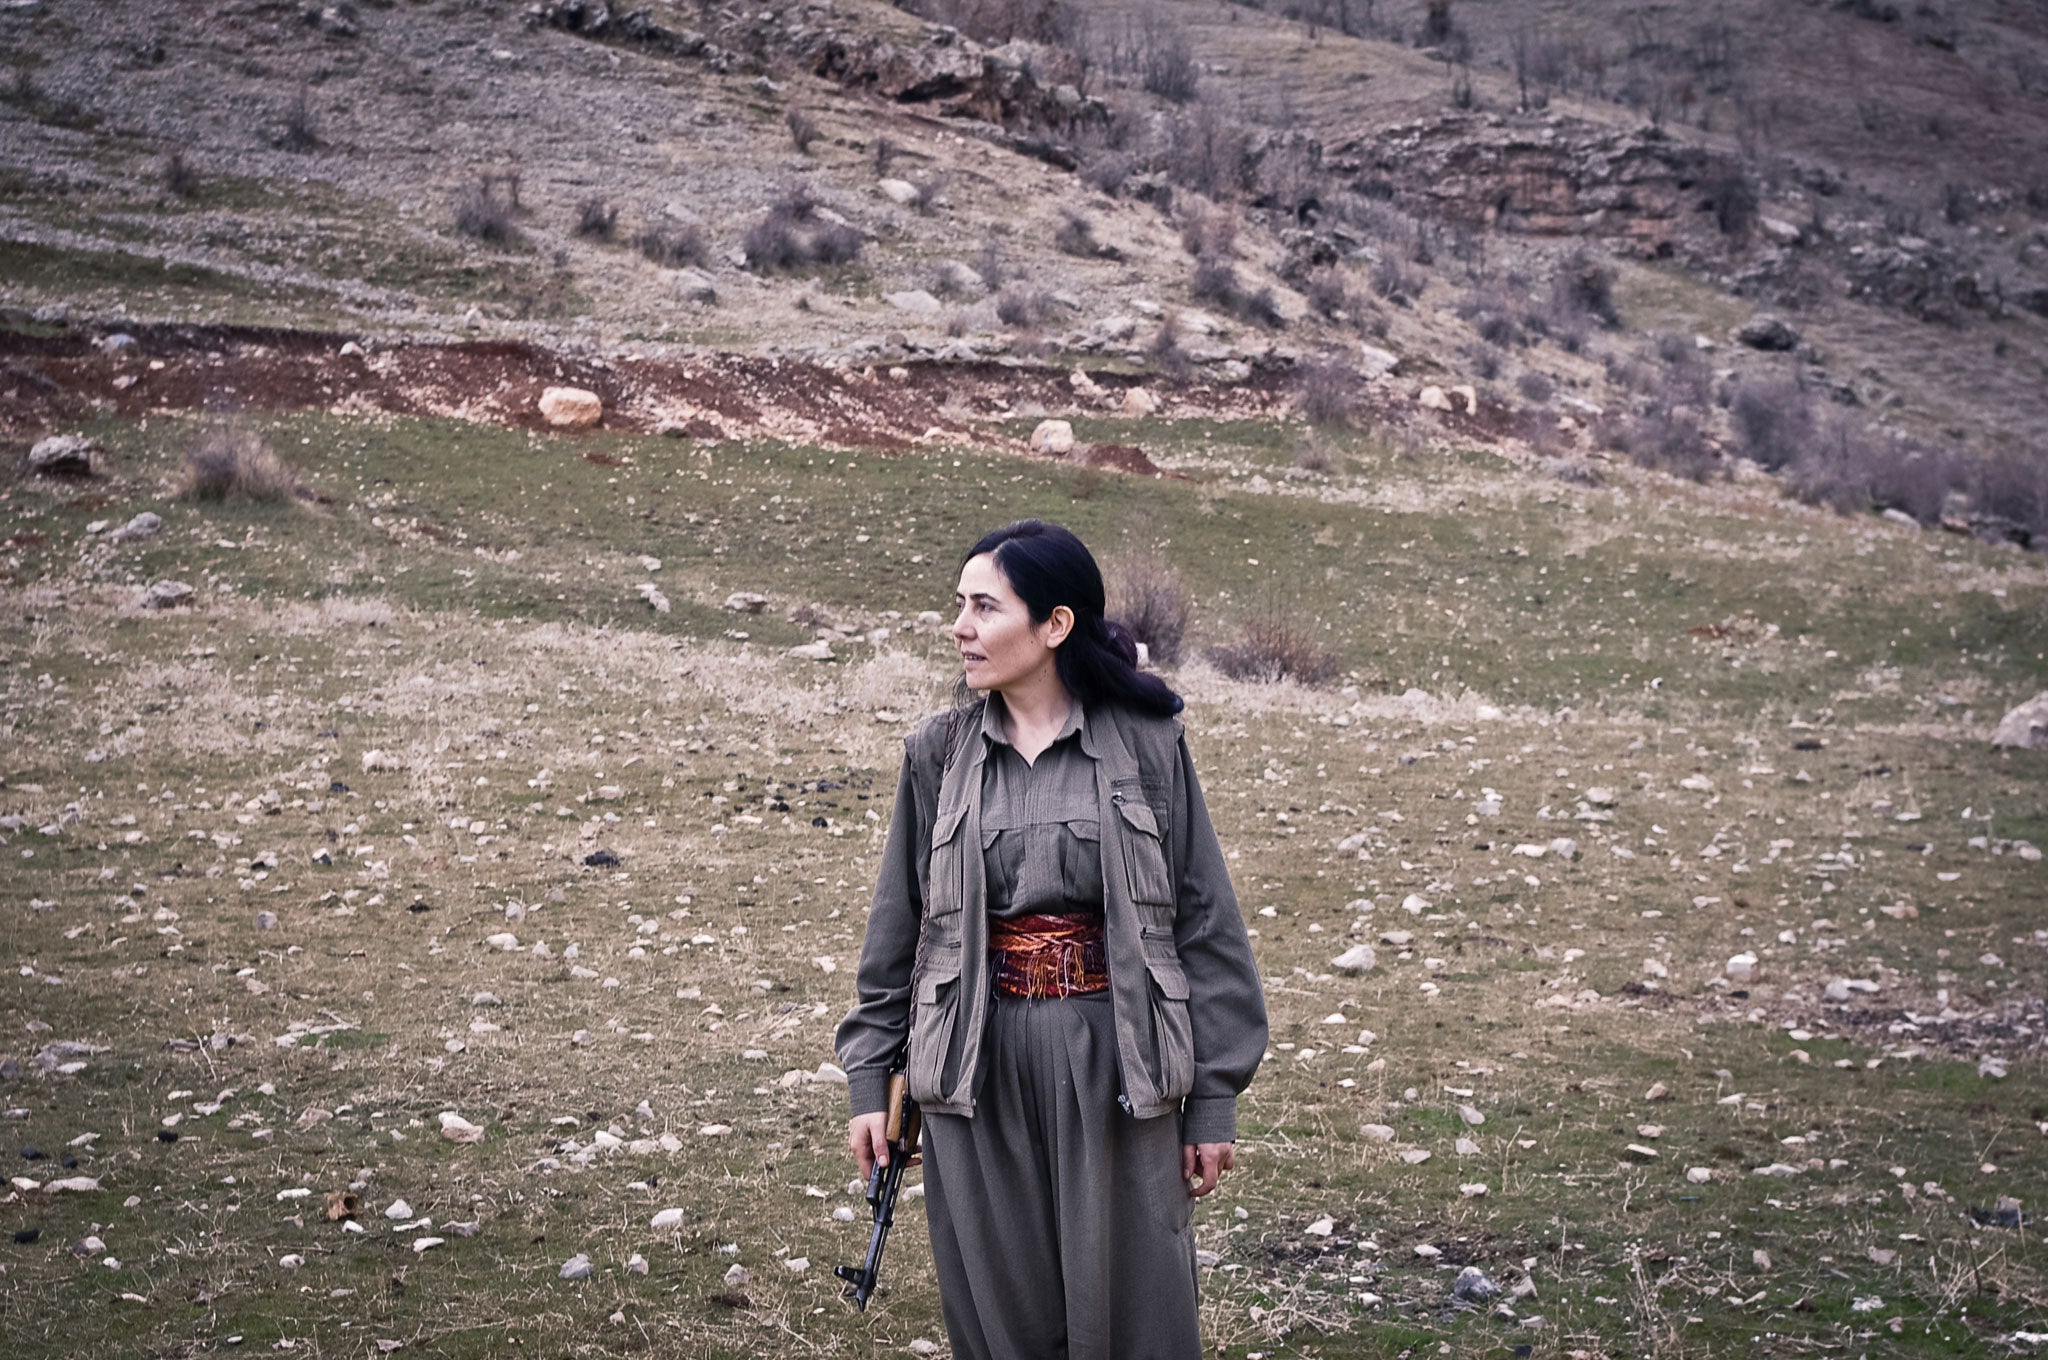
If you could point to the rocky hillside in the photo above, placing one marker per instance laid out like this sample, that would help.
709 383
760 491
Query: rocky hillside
1672 239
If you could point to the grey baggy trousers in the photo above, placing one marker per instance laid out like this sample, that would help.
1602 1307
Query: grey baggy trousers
1060 1225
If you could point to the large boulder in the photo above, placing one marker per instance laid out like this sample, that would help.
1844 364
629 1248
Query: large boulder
167 595
1055 437
145 525
2026 726
571 408
62 455
1770 333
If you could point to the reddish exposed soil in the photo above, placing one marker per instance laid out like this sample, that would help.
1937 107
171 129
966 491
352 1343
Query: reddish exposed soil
50 381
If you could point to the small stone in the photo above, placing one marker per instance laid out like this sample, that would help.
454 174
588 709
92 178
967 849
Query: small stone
1415 904
1658 1091
166 595
1473 1286
1741 967
424 1244
1471 1115
1768 333
1138 402
456 1129
266 920
577 1267
1377 1133
746 602
571 408
812 651
1428 1252
797 1265
1648 1154
1699 1175
144 526
636 1264
1322 1227
1357 959
737 1275
1465 1147
398 1211
667 1220
1414 1156
1473 1190
1432 398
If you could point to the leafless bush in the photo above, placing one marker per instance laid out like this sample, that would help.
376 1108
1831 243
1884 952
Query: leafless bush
1731 196
1437 24
1106 171
1208 152
597 218
1149 598
793 235
233 463
1157 52
1216 281
1328 391
1022 308
1279 644
1583 287
300 130
1328 293
990 264
1314 455
1666 438
1483 361
1773 420
928 190
1535 386
1167 353
673 244
803 129
1394 281
1209 231
1076 235
2015 490
885 152
481 210
181 180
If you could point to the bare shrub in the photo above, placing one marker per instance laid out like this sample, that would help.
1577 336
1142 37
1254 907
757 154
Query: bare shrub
1328 391
990 264
1021 307
1483 361
1731 197
1216 281
181 180
792 234
1668 439
233 463
1158 53
1076 235
673 244
2013 489
1583 287
1329 294
1167 353
1314 455
1437 24
1210 232
928 190
1394 281
481 210
1278 644
885 152
1149 598
597 218
1106 171
1535 386
803 129
1208 152
300 130
1773 420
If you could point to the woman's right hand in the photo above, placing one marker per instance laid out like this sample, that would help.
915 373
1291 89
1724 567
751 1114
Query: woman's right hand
868 1136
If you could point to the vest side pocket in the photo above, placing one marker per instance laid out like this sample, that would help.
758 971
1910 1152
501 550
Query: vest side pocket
1144 854
934 1014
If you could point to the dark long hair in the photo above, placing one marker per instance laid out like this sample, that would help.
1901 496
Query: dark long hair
1098 662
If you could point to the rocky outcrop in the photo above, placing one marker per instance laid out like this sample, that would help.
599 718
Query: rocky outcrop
2026 726
1553 177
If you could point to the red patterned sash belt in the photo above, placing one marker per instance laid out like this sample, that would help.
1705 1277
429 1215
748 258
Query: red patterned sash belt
1048 956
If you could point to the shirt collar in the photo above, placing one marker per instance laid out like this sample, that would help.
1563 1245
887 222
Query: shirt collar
992 721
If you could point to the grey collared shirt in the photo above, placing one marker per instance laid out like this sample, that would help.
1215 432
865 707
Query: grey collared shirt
1039 834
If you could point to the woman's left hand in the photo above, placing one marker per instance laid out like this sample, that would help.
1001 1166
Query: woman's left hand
1210 1160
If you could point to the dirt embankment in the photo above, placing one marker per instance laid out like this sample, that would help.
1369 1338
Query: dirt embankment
50 381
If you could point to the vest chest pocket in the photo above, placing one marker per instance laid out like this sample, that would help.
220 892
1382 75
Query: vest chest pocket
1145 872
945 865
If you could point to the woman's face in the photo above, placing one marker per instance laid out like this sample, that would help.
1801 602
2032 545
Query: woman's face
1000 647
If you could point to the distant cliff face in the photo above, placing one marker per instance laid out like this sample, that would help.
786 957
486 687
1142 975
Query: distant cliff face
1638 189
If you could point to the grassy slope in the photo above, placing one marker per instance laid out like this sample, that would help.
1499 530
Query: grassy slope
536 703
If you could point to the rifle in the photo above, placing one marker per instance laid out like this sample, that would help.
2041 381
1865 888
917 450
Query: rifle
902 1132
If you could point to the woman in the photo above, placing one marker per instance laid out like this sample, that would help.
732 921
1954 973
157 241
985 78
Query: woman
1055 938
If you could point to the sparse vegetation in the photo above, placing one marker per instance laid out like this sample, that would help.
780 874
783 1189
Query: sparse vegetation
1022 307
1216 282
803 129
1535 386
1150 598
1328 391
1280 642
793 235
597 217
484 210
231 462
1076 235
300 130
674 244
181 179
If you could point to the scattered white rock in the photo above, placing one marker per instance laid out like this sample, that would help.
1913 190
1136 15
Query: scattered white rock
737 1275
1742 967
1357 959
398 1211
746 602
1699 1175
577 1267
62 455
1055 437
571 408
456 1129
167 595
820 650
667 1220
1377 1133
1322 1227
